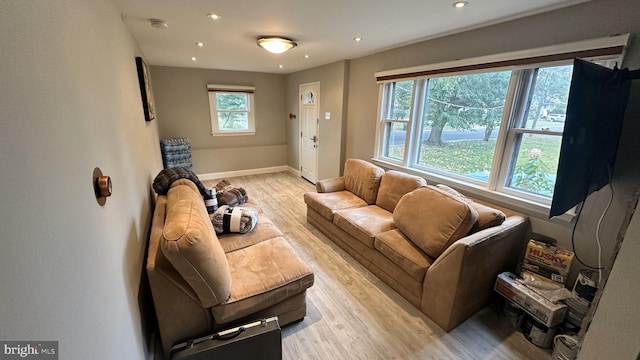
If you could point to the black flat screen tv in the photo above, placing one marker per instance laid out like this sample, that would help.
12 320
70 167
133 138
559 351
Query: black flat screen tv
595 111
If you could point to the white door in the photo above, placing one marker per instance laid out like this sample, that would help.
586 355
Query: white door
309 107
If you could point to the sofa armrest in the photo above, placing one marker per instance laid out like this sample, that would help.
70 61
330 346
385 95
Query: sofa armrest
330 185
178 310
460 281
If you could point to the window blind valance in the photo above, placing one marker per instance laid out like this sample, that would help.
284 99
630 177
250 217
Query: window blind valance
230 88
611 47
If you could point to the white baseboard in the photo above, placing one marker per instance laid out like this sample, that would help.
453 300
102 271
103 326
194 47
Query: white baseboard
295 172
228 174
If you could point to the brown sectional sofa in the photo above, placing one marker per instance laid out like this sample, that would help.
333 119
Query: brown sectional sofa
201 283
435 247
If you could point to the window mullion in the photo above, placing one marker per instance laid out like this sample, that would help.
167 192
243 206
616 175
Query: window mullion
414 128
496 175
521 96
382 113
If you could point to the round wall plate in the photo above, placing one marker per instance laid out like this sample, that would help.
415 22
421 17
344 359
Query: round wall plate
102 186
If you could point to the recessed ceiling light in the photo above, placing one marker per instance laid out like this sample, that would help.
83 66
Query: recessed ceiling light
459 4
306 56
200 44
214 16
193 58
357 39
281 66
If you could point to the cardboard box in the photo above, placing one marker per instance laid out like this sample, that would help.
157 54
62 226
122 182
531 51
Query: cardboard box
543 310
547 262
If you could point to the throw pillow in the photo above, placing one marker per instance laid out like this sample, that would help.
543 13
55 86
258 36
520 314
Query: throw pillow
432 219
487 216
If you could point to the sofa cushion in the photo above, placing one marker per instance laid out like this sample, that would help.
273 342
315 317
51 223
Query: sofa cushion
191 246
363 179
393 186
364 223
264 230
432 219
326 204
395 246
487 216
262 275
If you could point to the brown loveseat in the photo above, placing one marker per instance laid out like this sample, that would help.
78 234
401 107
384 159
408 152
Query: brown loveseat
435 247
201 283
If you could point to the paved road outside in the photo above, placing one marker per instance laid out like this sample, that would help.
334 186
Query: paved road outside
397 137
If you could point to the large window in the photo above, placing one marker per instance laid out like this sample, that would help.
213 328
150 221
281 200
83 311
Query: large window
494 127
231 110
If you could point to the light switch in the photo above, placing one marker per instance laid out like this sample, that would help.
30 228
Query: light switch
327 116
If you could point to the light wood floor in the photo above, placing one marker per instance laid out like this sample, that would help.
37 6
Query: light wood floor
351 314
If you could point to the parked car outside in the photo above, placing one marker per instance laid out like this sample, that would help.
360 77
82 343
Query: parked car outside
556 117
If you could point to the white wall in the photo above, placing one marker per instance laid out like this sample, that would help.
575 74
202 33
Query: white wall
70 269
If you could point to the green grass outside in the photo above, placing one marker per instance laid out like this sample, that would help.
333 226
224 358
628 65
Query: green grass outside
465 157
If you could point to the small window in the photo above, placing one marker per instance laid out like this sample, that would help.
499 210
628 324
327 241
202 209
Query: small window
309 98
232 110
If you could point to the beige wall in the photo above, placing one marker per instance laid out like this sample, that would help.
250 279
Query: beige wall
70 269
183 110
332 79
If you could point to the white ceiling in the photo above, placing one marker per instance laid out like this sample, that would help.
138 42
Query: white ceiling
323 29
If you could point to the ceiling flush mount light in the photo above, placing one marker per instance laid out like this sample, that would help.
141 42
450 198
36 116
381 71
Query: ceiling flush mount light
158 24
193 58
357 39
199 44
276 44
214 16
459 4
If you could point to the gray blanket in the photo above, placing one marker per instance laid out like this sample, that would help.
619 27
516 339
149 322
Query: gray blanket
229 219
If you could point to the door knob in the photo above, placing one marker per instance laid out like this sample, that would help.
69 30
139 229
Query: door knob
314 138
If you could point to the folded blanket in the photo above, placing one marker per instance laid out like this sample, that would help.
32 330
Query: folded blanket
221 185
229 219
166 177
232 196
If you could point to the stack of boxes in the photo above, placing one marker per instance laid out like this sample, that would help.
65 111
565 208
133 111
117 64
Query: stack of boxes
541 317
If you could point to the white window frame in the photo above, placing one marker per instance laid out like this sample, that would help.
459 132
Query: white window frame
214 89
504 155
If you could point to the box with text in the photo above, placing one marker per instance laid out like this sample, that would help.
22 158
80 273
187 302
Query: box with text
536 305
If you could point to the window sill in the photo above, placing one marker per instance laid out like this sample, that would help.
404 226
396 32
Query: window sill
528 207
233 133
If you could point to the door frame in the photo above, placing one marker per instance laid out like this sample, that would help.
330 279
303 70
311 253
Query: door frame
300 95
